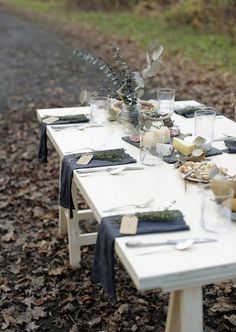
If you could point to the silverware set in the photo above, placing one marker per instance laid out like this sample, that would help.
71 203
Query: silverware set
110 170
79 127
179 244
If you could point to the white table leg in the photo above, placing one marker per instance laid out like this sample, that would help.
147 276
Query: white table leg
62 212
62 221
74 231
185 312
73 243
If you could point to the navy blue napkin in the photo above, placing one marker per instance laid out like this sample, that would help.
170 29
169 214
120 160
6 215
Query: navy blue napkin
103 262
231 146
128 140
43 148
69 164
188 111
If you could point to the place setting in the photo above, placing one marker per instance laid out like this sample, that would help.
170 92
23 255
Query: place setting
56 121
136 223
97 117
85 163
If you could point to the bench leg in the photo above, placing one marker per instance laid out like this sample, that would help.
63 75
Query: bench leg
185 311
75 239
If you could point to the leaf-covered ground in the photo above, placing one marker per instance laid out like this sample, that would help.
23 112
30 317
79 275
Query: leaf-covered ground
39 291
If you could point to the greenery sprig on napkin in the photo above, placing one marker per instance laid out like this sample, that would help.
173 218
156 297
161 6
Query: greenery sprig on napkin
160 216
75 117
110 155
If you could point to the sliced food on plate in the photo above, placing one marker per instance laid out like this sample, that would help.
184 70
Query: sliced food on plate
203 171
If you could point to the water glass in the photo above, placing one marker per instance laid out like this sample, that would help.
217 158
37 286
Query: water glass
204 125
98 110
166 99
216 208
114 109
151 145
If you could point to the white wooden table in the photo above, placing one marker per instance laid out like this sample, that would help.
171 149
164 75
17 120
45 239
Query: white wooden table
183 273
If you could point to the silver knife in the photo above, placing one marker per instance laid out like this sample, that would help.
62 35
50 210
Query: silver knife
139 244
94 170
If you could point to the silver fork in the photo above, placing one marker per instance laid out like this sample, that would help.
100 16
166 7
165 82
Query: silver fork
138 205
80 150
62 127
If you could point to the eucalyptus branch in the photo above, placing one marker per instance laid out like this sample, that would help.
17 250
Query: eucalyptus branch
126 84
100 64
111 92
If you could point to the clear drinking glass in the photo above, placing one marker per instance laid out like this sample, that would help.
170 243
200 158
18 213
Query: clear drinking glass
151 144
98 110
204 124
166 99
216 208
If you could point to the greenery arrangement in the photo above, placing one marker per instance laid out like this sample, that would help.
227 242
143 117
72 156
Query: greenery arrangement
120 81
75 118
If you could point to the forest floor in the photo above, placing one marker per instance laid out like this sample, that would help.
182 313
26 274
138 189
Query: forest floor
39 290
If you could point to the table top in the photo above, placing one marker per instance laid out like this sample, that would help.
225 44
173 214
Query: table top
166 267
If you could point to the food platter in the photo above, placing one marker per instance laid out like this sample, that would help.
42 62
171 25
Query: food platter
202 171
153 114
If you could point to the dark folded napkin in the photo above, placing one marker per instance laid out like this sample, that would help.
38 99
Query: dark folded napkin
69 164
43 149
150 222
231 146
128 140
188 111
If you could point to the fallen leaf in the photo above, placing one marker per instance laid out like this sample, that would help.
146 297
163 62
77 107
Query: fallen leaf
14 270
74 328
95 321
31 327
123 308
8 319
5 203
29 301
38 312
5 288
8 237
56 271
49 215
231 319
